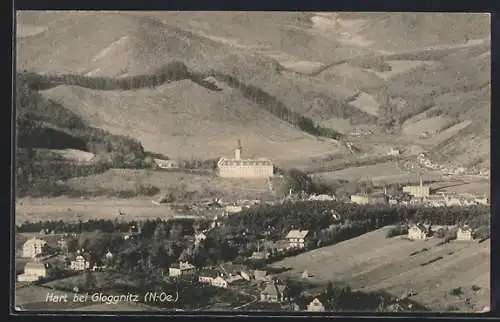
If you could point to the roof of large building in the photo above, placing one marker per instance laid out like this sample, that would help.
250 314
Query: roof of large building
244 162
35 241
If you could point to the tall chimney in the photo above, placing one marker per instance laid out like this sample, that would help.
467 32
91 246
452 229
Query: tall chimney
237 151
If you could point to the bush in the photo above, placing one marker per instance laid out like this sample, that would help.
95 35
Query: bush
456 291
397 231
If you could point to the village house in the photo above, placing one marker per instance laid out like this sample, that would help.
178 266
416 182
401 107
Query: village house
181 269
419 232
465 233
273 293
395 152
233 272
315 306
321 198
166 164
207 276
33 247
108 255
33 271
244 168
220 282
297 238
261 275
79 263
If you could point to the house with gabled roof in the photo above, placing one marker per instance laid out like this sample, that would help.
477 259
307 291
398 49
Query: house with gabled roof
465 233
419 232
297 238
315 306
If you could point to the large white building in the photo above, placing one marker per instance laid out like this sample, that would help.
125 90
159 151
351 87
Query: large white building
33 247
33 271
245 168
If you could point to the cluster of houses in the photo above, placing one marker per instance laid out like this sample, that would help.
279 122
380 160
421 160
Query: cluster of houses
34 249
424 231
231 275
425 162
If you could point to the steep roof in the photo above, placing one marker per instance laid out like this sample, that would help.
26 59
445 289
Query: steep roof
244 162
35 241
296 233
34 265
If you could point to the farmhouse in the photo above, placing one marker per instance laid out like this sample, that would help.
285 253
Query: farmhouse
273 293
465 233
315 306
80 263
33 247
33 271
244 168
395 152
419 232
166 164
181 269
297 238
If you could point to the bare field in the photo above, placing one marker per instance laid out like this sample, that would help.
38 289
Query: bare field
387 170
190 186
201 186
74 209
415 127
374 262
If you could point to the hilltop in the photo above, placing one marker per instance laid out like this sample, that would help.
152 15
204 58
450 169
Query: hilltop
337 71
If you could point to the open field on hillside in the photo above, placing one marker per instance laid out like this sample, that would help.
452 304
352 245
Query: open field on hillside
366 103
400 66
416 126
480 188
449 132
184 186
374 262
200 186
387 172
188 127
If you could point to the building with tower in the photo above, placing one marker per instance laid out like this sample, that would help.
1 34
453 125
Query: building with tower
244 168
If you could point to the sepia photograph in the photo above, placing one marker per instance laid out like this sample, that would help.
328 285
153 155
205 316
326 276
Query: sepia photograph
248 161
